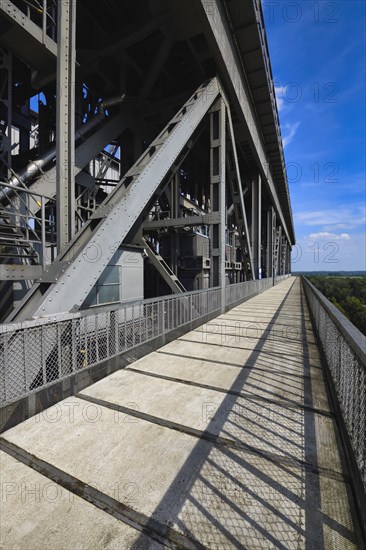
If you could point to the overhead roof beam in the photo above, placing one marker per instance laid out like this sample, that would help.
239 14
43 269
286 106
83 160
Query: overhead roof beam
221 37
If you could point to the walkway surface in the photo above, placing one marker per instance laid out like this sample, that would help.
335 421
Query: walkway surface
224 438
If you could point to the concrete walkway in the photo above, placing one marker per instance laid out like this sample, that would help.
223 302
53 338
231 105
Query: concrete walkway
222 439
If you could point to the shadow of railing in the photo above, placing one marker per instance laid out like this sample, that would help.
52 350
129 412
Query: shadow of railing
253 479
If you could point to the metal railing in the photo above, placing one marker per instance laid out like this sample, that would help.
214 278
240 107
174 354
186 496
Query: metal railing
38 229
344 349
37 353
43 13
237 292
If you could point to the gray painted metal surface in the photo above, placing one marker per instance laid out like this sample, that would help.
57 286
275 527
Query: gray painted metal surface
163 268
78 269
238 194
223 37
28 39
65 123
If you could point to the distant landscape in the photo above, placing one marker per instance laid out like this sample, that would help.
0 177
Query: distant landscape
346 290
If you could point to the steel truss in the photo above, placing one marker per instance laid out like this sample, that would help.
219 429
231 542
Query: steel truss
229 193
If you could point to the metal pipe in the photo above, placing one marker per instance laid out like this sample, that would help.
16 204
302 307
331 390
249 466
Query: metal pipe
36 167
112 102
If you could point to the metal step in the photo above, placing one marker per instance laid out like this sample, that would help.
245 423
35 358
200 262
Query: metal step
11 232
15 255
163 268
13 244
4 241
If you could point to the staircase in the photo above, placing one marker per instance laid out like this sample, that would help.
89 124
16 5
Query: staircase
164 202
14 247
163 268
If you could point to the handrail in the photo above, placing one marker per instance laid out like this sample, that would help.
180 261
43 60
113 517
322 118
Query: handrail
343 349
27 191
61 317
37 353
42 15
350 333
27 216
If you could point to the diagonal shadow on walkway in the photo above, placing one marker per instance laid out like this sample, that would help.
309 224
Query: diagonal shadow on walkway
305 519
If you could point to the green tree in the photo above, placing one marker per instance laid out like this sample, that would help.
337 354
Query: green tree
337 305
356 312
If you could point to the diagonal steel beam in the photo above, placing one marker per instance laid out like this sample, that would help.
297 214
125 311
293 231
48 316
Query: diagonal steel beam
75 272
162 268
238 198
158 64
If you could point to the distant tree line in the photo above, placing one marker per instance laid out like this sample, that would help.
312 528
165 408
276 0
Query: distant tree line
348 294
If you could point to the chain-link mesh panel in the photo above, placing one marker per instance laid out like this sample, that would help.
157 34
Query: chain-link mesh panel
348 373
43 352
240 291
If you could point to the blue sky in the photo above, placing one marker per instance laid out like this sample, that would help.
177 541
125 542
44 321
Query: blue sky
317 52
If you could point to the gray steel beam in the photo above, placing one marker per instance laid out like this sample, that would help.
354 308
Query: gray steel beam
155 69
279 253
218 196
118 44
270 242
73 275
6 103
289 266
256 235
89 149
206 219
27 40
19 272
162 268
221 35
175 214
238 195
65 123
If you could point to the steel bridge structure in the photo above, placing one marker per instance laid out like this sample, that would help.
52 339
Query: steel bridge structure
144 206
150 125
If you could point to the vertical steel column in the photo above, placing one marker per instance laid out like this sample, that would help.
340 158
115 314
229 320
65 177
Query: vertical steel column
6 103
270 242
285 249
289 266
65 122
175 213
218 196
274 240
257 225
279 252
283 255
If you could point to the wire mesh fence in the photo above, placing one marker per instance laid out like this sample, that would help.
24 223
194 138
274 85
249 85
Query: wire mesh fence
344 348
235 293
37 353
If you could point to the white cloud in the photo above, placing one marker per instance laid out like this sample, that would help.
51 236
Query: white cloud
335 226
327 253
335 218
290 130
329 236
279 91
